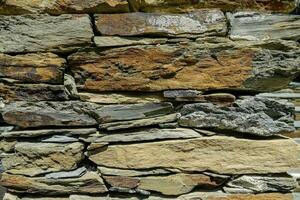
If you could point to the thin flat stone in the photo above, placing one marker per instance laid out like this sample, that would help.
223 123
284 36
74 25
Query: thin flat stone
280 95
59 139
67 174
114 41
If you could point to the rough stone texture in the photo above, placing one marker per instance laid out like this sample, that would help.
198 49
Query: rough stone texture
121 98
145 135
227 5
114 41
32 33
68 174
207 64
251 115
238 155
32 68
11 7
33 92
90 183
194 24
41 114
32 159
262 26
7 145
262 184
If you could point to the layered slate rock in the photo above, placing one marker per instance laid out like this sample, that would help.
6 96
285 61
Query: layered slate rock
197 23
12 7
238 155
32 159
89 183
40 33
114 41
44 114
228 5
208 64
33 92
261 184
32 68
262 26
251 115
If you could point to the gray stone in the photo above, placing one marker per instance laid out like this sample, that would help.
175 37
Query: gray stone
140 122
41 114
70 85
114 41
297 124
44 132
59 139
181 93
280 95
263 26
42 33
193 24
67 174
263 184
147 135
4 129
250 115
169 125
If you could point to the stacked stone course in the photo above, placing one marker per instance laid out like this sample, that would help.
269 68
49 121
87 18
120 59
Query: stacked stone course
150 99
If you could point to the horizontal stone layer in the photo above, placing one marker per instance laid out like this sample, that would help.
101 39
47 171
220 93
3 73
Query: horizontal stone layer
197 23
213 63
43 33
223 155
12 7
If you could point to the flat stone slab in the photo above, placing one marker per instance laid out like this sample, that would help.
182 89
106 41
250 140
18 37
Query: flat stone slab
44 33
115 41
196 23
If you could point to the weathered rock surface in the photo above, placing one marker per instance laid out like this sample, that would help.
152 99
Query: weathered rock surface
262 26
12 7
90 183
121 98
194 24
7 145
58 139
144 135
44 132
40 33
32 159
250 115
33 68
114 41
262 184
228 5
140 122
43 114
68 174
208 64
33 92
238 155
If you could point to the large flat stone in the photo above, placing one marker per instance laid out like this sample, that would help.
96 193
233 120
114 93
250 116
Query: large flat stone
33 92
207 64
32 159
12 7
42 33
225 5
262 26
33 68
90 183
196 23
250 115
45 114
238 156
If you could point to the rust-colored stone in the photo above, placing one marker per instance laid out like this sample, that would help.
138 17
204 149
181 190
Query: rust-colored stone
122 181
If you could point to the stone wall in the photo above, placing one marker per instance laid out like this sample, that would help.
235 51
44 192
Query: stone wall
149 99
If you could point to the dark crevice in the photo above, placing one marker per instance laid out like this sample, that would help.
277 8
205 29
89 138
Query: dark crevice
93 24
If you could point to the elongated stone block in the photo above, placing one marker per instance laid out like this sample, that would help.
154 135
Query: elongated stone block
42 33
197 23
204 65
12 7
219 154
262 26
33 68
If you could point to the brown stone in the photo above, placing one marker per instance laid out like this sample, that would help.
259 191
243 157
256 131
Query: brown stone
197 23
202 66
33 68
219 154
122 181
11 7
226 5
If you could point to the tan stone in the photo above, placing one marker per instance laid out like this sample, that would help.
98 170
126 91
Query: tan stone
33 68
122 181
7 145
219 154
57 7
